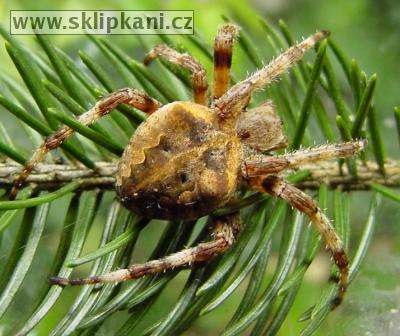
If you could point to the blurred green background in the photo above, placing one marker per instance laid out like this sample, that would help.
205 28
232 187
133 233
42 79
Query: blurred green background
367 30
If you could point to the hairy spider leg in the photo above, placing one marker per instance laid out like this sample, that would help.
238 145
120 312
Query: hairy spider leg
199 74
259 171
223 45
277 187
226 228
128 96
265 165
231 104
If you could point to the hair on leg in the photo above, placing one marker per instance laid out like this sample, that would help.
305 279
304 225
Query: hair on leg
304 203
199 74
226 228
264 165
105 105
223 45
230 105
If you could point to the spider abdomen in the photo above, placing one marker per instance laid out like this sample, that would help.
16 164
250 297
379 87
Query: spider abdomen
179 164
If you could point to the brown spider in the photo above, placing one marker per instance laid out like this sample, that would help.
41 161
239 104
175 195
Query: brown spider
189 158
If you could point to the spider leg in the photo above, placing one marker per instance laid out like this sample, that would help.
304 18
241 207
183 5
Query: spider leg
128 96
226 229
264 165
223 45
304 203
230 105
199 74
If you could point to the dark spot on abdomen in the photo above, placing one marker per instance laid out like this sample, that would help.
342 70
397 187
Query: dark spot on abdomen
155 204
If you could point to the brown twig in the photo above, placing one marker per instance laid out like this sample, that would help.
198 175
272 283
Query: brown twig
53 176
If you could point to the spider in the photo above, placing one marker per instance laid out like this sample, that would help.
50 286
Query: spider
189 158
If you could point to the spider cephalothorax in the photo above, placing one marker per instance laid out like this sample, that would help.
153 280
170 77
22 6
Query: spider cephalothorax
189 158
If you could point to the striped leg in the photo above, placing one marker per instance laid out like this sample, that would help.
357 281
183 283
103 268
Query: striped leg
231 104
226 229
223 45
304 203
199 74
265 165
129 96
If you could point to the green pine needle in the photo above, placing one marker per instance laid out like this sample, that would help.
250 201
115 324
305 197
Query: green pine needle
60 89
